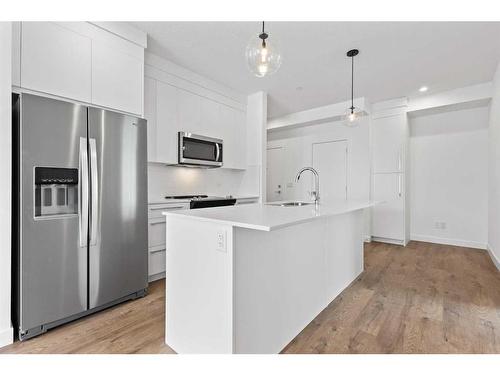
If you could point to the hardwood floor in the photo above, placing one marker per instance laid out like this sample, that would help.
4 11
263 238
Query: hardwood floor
132 327
423 298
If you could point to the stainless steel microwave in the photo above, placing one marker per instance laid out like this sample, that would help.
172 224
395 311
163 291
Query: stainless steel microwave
201 151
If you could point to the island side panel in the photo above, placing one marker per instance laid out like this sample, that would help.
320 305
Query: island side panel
198 286
283 279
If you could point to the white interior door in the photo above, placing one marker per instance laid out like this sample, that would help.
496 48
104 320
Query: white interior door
330 160
275 174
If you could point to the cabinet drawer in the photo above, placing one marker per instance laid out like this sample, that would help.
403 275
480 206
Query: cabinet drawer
155 210
156 262
156 232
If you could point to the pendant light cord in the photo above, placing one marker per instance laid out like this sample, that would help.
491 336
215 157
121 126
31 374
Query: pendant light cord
263 27
352 84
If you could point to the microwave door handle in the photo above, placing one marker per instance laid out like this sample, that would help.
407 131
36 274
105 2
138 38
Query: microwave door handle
83 188
217 148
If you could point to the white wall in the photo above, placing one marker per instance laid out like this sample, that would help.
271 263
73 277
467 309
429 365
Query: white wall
297 144
494 172
5 187
449 177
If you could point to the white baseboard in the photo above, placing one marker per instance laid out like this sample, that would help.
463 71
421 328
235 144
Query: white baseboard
6 337
448 241
389 241
368 238
158 276
493 257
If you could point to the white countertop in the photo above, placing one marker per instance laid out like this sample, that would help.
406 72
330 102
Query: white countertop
266 217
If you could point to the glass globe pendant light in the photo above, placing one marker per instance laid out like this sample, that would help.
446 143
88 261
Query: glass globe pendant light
262 55
353 114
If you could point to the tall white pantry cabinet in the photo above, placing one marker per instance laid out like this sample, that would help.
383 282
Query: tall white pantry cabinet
390 172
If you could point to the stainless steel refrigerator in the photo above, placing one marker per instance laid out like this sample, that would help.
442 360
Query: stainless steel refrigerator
80 190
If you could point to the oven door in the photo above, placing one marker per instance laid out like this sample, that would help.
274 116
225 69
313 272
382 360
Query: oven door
198 150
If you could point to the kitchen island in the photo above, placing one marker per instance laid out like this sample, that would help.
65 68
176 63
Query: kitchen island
248 279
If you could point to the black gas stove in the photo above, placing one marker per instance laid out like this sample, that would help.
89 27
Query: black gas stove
204 201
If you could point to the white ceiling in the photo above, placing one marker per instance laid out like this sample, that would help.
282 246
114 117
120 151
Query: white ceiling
395 59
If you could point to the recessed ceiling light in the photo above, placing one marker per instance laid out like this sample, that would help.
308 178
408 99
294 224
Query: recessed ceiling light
423 89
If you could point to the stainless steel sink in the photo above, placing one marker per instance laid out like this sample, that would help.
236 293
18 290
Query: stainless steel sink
291 204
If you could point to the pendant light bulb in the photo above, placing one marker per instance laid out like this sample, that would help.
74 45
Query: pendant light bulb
262 55
353 115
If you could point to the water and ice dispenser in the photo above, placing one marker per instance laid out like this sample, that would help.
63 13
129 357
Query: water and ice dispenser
56 191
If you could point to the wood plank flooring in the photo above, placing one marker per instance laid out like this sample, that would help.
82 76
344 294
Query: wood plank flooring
423 298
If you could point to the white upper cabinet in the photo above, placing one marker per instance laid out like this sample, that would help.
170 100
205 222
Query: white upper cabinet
233 124
117 79
16 54
79 61
150 115
167 102
189 115
56 60
389 139
170 109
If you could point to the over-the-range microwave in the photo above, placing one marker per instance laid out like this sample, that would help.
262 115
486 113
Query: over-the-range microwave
199 151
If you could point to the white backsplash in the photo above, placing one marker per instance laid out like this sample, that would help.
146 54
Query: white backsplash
170 180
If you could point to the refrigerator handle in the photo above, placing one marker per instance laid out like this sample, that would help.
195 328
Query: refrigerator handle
83 201
94 208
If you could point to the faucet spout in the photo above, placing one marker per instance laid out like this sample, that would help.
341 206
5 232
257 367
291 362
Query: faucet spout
315 193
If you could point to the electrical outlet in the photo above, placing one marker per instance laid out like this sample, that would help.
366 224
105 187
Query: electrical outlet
441 225
221 241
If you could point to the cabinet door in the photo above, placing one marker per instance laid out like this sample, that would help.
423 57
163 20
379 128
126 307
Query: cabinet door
16 53
167 127
210 119
234 136
150 116
189 112
389 138
117 79
55 60
388 217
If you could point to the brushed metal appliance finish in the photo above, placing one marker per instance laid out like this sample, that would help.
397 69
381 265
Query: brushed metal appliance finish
118 263
218 162
53 275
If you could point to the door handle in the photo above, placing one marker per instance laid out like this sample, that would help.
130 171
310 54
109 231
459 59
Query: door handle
94 208
83 201
217 153
400 183
157 223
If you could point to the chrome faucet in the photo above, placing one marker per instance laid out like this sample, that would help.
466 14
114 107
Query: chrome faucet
315 193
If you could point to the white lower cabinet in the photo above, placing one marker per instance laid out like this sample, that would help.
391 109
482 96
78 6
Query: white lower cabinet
388 217
157 237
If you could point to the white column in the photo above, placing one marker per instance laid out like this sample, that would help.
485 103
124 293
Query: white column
256 143
6 335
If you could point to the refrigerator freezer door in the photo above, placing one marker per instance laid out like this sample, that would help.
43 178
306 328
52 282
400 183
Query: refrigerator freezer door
53 265
118 251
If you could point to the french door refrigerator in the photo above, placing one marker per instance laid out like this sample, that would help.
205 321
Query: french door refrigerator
80 190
